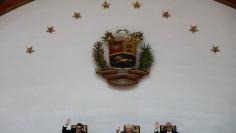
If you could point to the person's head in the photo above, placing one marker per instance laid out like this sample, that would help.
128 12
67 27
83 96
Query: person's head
79 127
128 128
168 126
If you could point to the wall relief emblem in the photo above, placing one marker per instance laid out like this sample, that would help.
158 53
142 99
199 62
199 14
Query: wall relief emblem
129 57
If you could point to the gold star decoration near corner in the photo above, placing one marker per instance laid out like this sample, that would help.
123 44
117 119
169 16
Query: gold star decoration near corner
106 5
193 28
137 5
166 14
50 29
215 49
76 15
29 50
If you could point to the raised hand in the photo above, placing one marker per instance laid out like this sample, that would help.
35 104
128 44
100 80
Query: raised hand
157 125
68 121
118 130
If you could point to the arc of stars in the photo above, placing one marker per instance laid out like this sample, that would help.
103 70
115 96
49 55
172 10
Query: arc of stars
165 14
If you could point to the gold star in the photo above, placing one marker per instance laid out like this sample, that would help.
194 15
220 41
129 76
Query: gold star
29 50
76 15
166 14
215 49
50 29
137 4
105 4
193 28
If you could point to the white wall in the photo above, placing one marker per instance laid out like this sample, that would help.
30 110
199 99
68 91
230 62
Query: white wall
188 85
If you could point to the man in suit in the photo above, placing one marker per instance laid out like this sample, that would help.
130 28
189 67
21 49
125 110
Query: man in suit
169 128
128 129
78 128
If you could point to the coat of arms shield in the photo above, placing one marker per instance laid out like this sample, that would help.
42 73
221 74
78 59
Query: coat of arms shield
124 68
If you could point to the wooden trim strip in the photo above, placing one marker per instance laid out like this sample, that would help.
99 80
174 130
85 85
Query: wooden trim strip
12 7
231 3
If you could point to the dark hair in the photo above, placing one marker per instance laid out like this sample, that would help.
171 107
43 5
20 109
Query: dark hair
79 124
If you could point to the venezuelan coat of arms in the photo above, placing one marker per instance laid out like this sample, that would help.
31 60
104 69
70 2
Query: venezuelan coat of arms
129 57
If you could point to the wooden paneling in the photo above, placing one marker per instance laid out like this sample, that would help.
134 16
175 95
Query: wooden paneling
231 3
8 5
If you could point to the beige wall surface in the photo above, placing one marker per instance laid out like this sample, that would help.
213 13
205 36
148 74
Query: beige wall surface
188 84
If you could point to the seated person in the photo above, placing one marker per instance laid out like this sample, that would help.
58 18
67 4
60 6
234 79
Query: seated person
127 129
157 127
168 128
78 128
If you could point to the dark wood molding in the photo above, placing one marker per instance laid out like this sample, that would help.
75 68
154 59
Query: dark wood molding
231 3
9 5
